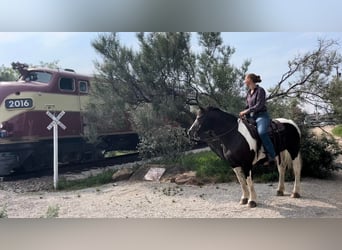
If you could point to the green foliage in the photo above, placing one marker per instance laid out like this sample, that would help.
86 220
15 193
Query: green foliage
105 112
51 65
162 71
150 86
158 137
337 130
3 212
266 174
8 74
91 181
334 94
52 212
208 166
220 80
318 155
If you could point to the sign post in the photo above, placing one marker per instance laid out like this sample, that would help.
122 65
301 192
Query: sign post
54 124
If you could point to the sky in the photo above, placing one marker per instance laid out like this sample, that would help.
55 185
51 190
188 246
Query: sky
269 52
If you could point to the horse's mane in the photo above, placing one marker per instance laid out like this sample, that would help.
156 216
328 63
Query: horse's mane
212 108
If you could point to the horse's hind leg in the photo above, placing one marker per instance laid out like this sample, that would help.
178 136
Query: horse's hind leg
242 179
297 167
281 171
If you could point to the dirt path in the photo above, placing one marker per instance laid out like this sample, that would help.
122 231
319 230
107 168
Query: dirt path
321 198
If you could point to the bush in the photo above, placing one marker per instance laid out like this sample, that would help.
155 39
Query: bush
337 130
318 156
166 141
52 212
158 135
3 212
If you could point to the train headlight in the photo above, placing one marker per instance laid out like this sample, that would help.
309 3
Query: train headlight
1 125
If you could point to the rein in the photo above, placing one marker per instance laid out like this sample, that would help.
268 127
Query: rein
217 137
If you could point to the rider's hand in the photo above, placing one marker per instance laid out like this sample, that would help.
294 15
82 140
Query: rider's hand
243 113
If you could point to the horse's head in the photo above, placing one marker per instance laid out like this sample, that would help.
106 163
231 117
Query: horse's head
204 125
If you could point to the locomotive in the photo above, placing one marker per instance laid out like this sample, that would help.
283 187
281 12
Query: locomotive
25 142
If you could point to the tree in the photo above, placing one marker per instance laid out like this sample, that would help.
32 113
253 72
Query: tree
334 95
308 75
217 78
164 70
8 74
154 84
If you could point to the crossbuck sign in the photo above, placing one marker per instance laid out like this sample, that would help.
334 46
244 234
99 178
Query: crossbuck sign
54 124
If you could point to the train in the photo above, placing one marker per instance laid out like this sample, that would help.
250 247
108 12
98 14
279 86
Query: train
25 142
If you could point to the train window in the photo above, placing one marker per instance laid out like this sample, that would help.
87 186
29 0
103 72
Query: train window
83 86
37 76
67 84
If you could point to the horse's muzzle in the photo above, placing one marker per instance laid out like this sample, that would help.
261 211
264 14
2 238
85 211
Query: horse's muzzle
193 135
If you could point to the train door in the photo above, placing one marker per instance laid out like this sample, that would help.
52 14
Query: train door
70 103
83 91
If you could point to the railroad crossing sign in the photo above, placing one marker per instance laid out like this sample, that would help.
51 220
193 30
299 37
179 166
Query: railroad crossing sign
54 124
56 120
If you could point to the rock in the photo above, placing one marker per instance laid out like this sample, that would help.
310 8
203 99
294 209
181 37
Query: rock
185 178
122 174
154 174
140 173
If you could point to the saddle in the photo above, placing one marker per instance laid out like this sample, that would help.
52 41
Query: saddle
276 132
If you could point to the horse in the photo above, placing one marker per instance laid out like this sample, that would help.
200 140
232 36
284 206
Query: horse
229 137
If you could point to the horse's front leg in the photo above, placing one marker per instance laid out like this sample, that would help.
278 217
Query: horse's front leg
252 193
242 180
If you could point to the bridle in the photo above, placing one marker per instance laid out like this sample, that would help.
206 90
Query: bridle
214 137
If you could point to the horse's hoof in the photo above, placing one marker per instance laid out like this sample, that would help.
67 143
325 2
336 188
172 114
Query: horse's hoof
295 195
280 193
252 204
244 201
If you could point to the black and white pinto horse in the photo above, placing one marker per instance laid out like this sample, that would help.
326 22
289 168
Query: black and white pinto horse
230 139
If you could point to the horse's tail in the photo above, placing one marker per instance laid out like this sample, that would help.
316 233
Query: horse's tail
285 159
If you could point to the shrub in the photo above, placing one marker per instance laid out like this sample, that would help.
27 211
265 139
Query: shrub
3 212
52 212
158 136
337 130
318 156
166 141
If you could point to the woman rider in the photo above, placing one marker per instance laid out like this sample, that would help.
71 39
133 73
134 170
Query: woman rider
256 109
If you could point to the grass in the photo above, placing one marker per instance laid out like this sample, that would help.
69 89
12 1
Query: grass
52 212
262 174
337 130
118 153
91 181
3 212
208 166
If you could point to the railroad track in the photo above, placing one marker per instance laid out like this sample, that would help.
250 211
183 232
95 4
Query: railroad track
75 168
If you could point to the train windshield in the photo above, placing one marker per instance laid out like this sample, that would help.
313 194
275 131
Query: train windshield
37 76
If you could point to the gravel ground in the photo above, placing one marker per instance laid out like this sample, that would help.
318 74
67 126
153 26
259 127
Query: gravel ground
30 199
